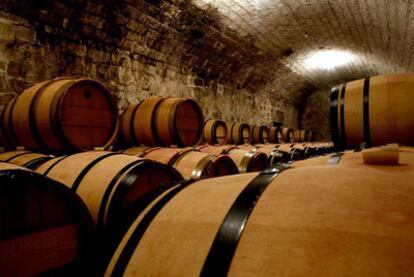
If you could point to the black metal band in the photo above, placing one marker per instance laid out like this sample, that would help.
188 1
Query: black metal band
279 135
114 233
261 134
367 133
33 164
87 168
227 238
54 164
17 155
289 134
136 236
241 127
342 111
213 132
120 194
335 158
231 133
276 158
333 116
108 190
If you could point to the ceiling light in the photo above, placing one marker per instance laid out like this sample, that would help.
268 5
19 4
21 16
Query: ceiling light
328 59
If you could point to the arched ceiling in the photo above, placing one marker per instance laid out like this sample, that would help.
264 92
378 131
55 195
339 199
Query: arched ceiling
260 45
377 34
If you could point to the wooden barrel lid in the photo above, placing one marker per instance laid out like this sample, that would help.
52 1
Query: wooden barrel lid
258 162
88 115
222 165
188 122
215 132
44 225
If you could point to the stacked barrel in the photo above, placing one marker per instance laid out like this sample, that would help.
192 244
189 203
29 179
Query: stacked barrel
354 213
373 111
61 115
70 205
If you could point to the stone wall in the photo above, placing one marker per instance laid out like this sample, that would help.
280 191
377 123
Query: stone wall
140 49
315 114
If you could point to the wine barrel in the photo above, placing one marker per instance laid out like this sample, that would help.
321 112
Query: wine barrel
45 228
63 114
179 121
301 136
238 133
215 150
246 161
25 158
323 148
138 122
260 134
311 136
190 162
270 150
247 147
303 151
350 158
286 153
215 132
109 183
277 223
127 125
374 111
138 151
7 135
275 135
287 135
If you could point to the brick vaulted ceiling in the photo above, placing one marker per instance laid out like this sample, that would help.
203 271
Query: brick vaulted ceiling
378 33
259 44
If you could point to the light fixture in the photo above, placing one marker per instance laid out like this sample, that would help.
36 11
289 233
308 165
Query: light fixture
328 59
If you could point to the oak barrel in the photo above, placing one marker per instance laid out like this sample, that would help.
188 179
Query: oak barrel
24 158
64 114
301 136
374 111
285 152
238 133
179 121
138 151
247 147
138 122
190 162
270 150
291 223
109 183
45 228
260 134
246 161
275 135
303 150
287 135
215 132
350 158
7 135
